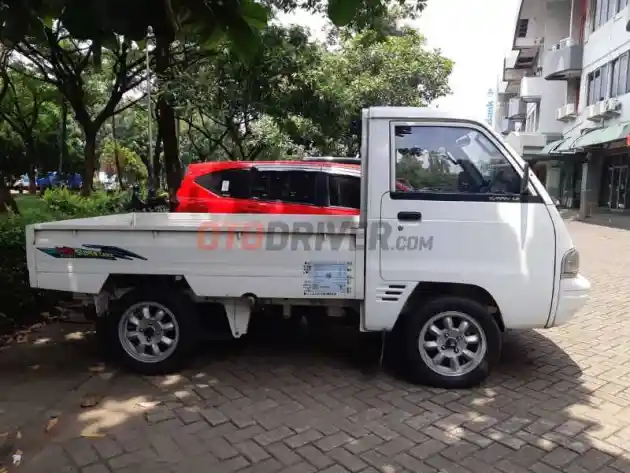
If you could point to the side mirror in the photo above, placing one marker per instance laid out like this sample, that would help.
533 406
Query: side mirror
525 179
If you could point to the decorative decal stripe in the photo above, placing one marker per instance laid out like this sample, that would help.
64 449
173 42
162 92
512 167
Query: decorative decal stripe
110 253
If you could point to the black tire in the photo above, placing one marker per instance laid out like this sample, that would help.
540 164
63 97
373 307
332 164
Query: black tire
181 309
414 322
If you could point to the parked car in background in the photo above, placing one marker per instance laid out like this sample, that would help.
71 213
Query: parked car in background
320 186
56 179
21 184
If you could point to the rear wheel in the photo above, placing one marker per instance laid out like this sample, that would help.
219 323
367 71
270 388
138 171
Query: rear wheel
451 342
151 331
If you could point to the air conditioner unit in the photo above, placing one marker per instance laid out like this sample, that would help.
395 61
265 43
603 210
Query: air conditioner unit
570 110
594 112
566 112
539 41
611 107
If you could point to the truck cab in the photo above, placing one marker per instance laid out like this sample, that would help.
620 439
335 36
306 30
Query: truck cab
470 246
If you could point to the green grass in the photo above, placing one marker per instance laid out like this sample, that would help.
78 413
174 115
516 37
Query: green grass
30 203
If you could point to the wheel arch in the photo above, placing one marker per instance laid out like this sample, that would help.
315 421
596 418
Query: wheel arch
426 290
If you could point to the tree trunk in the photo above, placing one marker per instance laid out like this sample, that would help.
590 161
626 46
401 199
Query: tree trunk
166 118
118 168
32 184
116 157
157 163
63 156
89 154
7 202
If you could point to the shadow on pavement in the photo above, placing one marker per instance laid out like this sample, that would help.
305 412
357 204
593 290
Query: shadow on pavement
296 404
618 221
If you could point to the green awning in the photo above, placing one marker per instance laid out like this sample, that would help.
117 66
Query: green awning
599 136
566 146
550 147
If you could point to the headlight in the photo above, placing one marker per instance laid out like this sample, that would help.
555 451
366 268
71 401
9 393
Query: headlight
570 264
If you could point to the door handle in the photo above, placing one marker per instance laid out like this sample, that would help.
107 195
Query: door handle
409 216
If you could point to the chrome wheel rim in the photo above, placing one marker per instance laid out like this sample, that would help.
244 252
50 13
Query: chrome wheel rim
452 343
148 332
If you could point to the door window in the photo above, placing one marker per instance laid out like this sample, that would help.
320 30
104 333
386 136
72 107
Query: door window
451 160
229 183
298 187
345 191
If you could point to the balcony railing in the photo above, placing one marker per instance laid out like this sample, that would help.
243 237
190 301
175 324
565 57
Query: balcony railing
529 42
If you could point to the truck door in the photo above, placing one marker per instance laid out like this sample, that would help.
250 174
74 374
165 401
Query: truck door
462 220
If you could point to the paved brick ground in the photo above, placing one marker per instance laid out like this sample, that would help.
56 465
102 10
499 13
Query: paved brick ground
560 401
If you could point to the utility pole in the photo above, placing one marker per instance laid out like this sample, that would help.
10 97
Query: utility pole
150 36
63 138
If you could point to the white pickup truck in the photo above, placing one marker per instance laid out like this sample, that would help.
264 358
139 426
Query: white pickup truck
472 247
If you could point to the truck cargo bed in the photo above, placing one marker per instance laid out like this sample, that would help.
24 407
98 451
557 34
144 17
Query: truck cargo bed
220 255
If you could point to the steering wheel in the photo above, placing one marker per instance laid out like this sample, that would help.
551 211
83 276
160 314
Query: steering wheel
489 187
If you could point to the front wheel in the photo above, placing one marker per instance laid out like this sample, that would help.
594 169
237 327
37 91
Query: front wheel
151 331
451 342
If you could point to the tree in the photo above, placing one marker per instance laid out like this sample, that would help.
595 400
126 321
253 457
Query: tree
365 71
426 170
55 57
223 98
10 150
29 110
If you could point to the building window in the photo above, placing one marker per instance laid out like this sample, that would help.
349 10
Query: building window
602 11
619 72
614 73
521 28
610 80
622 87
598 85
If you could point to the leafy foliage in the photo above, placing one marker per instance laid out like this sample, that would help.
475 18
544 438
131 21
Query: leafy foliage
63 203
19 302
18 299
397 71
222 98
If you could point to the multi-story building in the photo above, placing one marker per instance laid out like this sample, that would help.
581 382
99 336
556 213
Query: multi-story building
564 99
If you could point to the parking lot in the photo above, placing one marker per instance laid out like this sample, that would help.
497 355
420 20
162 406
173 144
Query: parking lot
559 401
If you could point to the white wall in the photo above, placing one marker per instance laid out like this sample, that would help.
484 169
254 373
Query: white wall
534 11
557 19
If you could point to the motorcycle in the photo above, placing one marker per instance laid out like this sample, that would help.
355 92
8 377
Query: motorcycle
153 203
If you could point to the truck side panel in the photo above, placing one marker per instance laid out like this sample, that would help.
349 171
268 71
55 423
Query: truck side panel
215 263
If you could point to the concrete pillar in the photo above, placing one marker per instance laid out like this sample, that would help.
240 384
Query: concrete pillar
553 181
591 180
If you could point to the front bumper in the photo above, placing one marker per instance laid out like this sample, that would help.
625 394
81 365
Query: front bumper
572 297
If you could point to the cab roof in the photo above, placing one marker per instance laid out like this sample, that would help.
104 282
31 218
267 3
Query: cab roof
411 113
